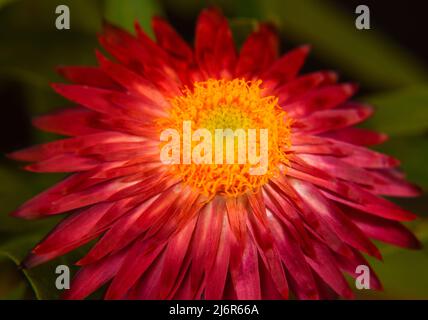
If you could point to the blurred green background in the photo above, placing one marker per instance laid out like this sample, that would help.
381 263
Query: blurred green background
389 61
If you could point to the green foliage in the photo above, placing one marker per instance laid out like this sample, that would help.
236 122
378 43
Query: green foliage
16 187
368 56
401 112
5 2
125 13
41 278
403 115
402 271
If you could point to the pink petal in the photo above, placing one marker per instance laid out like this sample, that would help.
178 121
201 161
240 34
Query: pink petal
293 259
357 136
327 120
245 275
324 98
332 215
323 263
297 87
90 278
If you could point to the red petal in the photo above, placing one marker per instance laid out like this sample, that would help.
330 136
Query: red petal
214 224
324 264
352 154
147 287
66 237
375 181
171 41
287 67
36 207
357 136
363 157
64 163
89 76
62 198
355 197
225 56
268 253
71 145
214 48
312 220
90 278
70 122
138 259
205 244
217 274
149 214
124 47
73 228
294 260
109 102
350 265
132 81
173 262
295 88
237 215
258 52
280 206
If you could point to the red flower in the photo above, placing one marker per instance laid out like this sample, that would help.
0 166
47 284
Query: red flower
202 231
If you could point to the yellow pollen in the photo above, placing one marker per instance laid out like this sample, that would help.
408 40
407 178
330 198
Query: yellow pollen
229 104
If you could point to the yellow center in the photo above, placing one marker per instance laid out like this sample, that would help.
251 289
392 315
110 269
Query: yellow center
234 104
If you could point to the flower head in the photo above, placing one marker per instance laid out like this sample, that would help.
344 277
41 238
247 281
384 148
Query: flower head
236 105
213 230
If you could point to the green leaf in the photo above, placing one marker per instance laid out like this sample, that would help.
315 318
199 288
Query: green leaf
3 3
32 47
412 151
400 112
12 285
125 13
368 56
17 293
41 278
16 251
18 186
403 271
241 28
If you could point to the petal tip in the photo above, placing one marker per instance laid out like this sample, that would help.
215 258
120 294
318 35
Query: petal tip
305 49
30 261
331 76
350 88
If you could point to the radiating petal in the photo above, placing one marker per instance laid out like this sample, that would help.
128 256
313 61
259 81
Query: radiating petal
258 52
